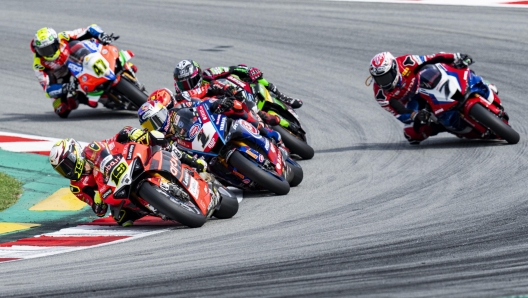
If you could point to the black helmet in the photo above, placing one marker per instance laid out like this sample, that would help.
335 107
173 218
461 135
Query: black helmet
184 122
187 76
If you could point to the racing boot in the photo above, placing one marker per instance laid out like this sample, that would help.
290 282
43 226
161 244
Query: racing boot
293 102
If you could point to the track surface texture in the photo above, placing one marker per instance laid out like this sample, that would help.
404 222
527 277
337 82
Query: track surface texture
374 216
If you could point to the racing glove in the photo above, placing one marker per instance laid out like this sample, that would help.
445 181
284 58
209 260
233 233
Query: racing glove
98 206
107 39
222 105
462 60
69 87
252 72
420 118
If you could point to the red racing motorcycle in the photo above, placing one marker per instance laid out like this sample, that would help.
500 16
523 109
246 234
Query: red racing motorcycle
464 104
155 181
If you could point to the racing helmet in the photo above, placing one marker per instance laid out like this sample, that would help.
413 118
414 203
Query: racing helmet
67 159
46 43
384 70
163 96
154 116
187 76
184 121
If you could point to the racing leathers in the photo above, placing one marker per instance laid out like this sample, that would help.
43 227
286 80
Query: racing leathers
54 76
93 190
402 101
251 74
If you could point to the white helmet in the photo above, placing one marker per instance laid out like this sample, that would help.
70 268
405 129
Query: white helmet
384 70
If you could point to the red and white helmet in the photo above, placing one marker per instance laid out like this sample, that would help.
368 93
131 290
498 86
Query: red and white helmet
163 95
384 70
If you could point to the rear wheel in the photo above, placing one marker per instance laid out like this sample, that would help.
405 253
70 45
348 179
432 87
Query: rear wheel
258 175
294 143
131 91
494 123
176 211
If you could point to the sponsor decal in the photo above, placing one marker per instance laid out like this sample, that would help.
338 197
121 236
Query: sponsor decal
250 153
74 67
39 67
104 52
202 113
193 188
186 179
109 162
223 123
130 151
111 146
406 72
236 81
249 127
238 174
267 145
107 193
261 158
246 181
194 130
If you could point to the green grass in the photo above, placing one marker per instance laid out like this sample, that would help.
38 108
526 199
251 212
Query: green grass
10 191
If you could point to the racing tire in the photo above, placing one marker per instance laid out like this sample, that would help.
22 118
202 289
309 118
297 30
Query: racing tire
131 91
294 144
494 123
167 207
298 175
228 206
259 176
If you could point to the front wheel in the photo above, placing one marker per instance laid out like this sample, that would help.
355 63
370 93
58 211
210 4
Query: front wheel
177 211
131 92
228 205
258 175
294 143
494 123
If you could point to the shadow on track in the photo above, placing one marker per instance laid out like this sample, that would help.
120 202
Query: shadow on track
429 144
77 115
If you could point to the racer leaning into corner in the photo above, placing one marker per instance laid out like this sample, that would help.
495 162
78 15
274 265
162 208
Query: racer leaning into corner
51 52
396 85
155 116
71 161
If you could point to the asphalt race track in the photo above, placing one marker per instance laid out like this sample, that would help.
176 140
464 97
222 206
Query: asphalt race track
374 216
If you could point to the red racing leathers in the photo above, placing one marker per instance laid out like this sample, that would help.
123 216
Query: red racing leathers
401 100
92 189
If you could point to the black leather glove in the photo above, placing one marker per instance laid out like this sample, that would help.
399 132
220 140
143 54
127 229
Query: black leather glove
222 104
421 118
107 39
462 60
69 87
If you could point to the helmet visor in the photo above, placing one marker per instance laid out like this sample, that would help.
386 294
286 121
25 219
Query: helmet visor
157 121
189 83
67 167
386 80
49 50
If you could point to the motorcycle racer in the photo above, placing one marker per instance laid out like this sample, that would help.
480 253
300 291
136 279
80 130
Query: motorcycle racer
396 85
51 52
154 116
191 81
87 183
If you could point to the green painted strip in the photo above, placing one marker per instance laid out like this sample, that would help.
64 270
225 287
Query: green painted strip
39 182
